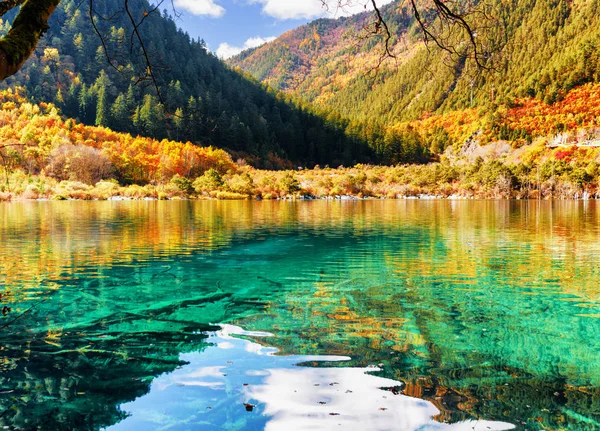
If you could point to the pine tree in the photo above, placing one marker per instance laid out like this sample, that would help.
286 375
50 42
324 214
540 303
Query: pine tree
178 122
130 98
119 114
102 104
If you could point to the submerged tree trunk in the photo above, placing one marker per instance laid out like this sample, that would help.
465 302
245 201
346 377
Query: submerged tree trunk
21 40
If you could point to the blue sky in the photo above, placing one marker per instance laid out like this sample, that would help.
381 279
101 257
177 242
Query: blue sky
228 26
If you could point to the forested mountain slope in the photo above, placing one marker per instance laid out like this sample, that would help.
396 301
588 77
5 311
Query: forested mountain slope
332 108
548 48
200 98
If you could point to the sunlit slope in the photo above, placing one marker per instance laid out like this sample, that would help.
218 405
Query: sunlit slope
190 95
549 48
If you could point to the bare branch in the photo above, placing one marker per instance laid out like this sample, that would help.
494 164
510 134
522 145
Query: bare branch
102 41
458 27
149 68
373 29
378 24
136 39
453 25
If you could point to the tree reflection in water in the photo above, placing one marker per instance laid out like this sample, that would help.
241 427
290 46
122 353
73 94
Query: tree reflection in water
484 309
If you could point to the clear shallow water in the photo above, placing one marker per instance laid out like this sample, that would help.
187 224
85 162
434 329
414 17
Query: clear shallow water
482 311
279 394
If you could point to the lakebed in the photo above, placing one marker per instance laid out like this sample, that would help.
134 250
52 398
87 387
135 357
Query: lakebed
440 314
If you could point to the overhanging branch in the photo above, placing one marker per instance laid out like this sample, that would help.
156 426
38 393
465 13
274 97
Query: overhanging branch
7 5
21 40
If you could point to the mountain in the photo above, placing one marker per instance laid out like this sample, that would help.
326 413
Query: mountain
318 94
545 49
200 99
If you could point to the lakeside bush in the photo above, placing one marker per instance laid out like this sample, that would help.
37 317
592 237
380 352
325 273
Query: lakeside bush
549 178
79 163
36 140
47 157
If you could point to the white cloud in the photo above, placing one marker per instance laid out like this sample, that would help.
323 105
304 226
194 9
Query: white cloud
308 9
201 7
225 50
286 9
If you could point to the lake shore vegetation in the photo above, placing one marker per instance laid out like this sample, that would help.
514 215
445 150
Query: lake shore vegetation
529 150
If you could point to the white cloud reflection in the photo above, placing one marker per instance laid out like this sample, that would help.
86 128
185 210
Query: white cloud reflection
349 399
213 387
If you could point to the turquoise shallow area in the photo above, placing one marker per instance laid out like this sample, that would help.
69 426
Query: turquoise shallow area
473 312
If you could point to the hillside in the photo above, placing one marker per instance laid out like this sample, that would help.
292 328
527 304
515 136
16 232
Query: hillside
317 102
548 48
46 156
200 99
321 57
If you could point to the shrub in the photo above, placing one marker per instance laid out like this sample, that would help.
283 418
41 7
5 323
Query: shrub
107 188
170 190
288 184
182 183
230 196
138 192
31 192
79 163
74 190
211 180
242 184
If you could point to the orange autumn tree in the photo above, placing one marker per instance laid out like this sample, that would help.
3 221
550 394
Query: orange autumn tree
32 135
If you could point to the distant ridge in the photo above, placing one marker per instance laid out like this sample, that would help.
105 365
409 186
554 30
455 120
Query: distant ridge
551 47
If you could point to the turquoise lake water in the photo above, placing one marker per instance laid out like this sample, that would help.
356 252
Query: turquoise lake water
368 315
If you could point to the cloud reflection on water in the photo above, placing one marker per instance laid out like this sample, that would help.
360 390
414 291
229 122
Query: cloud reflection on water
211 391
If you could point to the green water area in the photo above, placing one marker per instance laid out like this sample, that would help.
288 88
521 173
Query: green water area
363 315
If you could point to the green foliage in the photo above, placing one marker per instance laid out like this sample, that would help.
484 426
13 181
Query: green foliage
438 140
491 174
567 172
242 184
182 183
211 180
289 184
202 100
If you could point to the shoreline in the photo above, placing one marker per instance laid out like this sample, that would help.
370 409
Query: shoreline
435 181
343 198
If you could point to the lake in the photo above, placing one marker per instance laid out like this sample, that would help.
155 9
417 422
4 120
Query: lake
363 315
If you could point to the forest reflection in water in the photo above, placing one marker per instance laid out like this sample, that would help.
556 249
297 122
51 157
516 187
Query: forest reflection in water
489 310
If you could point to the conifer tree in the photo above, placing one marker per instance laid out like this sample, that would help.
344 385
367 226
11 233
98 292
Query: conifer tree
102 104
119 114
